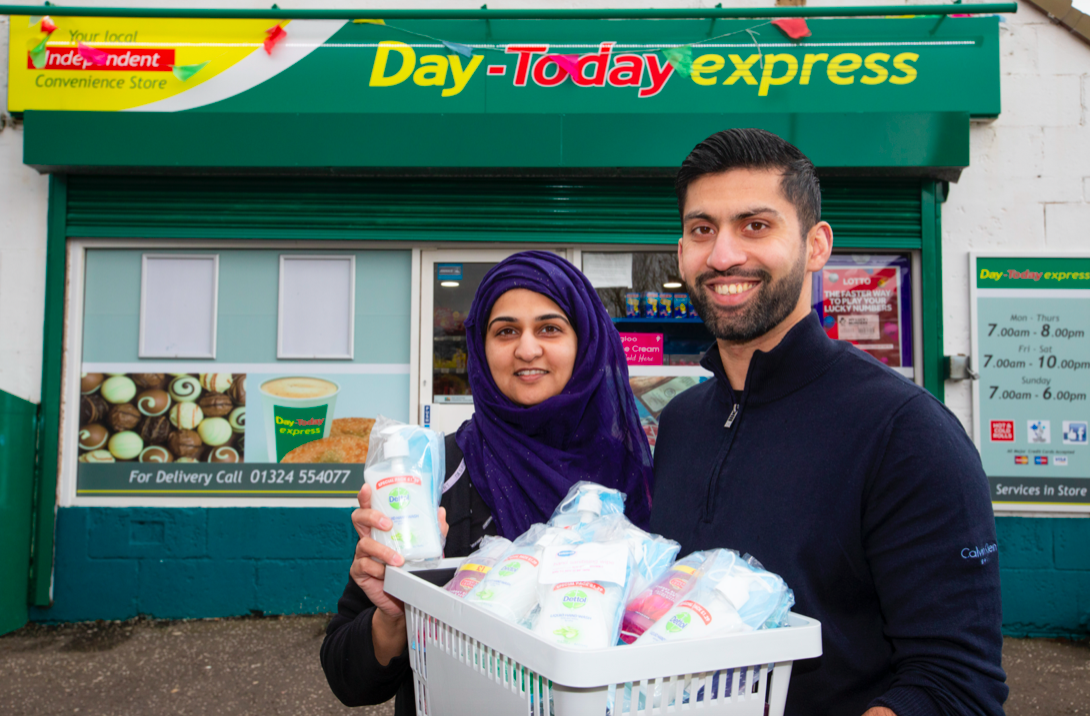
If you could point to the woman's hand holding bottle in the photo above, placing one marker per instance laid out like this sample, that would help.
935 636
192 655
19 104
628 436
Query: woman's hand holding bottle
368 571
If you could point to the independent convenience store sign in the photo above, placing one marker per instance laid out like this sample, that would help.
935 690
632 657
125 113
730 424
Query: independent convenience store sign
926 64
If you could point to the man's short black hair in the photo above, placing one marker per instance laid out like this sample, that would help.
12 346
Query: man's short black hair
755 149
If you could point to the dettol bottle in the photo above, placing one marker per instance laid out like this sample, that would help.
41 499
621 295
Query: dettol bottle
404 493
651 604
582 589
706 611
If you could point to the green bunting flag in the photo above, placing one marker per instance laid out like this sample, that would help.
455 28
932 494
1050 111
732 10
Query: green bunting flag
184 72
681 58
38 54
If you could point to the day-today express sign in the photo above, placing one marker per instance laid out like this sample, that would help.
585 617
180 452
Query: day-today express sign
849 65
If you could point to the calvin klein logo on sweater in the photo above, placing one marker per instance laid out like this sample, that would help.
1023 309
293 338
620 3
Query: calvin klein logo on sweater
982 553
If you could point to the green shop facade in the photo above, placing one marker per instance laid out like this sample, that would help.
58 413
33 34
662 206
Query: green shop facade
322 205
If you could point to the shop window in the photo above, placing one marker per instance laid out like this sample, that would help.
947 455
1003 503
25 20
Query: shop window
178 295
662 336
238 422
316 307
644 295
866 300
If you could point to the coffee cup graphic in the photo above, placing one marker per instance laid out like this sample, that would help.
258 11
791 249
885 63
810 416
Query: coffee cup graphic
297 410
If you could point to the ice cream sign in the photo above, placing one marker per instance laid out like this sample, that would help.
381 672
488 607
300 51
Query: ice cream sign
642 348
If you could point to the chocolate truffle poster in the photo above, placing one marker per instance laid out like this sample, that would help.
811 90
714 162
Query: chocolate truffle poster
259 434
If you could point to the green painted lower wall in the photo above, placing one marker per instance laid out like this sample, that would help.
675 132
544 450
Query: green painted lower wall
1045 567
115 563
18 428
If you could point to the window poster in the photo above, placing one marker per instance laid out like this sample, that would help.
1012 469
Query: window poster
244 423
864 299
652 395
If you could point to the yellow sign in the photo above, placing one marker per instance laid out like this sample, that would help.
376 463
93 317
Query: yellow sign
112 64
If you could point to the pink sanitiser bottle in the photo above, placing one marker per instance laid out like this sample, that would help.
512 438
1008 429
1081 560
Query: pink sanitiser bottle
651 604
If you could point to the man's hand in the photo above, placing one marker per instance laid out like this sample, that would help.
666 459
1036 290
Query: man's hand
879 711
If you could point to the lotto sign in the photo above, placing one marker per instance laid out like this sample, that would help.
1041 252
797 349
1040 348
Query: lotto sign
865 301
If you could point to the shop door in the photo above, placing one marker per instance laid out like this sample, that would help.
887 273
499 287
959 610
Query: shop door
18 420
449 281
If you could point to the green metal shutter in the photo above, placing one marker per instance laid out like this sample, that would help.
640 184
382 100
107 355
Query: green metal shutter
870 213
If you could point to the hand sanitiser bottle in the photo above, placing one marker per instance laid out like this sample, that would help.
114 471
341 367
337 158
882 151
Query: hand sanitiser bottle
403 492
586 502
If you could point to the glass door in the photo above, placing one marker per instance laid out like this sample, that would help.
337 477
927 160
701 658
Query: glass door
449 281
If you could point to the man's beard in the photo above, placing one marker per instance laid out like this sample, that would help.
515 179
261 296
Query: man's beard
775 300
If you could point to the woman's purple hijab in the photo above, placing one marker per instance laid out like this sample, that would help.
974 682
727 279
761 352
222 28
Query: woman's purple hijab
523 460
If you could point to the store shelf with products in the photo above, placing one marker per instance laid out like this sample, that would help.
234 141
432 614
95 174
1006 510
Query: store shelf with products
669 321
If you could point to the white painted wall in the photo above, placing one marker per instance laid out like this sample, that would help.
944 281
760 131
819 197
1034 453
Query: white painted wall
23 194
1028 185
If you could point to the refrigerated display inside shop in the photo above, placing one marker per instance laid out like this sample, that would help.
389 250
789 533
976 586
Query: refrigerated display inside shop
645 297
455 286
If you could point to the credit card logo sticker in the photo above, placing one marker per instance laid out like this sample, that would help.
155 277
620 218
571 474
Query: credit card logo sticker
1021 459
1060 461
1040 460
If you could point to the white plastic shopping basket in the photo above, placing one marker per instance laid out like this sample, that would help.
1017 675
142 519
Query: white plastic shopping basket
467 661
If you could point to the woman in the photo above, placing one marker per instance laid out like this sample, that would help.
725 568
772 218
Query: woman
552 406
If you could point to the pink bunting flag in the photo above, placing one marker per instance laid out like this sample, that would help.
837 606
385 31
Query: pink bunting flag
793 27
568 63
48 26
90 54
275 35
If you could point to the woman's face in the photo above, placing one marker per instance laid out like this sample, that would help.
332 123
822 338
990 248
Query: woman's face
530 346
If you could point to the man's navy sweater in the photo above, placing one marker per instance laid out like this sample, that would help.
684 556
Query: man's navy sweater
865 494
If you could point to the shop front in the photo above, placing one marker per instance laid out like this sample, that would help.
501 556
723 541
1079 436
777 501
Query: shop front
260 240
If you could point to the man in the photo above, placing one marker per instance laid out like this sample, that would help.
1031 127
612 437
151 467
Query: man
852 483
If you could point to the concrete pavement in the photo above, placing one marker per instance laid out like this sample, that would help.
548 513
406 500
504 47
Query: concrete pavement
269 666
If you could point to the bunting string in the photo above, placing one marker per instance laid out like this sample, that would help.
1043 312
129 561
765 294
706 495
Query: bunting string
679 56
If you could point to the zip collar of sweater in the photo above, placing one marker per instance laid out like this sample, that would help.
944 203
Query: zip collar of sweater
803 355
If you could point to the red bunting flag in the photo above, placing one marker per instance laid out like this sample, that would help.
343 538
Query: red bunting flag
793 27
92 55
275 35
568 63
48 27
